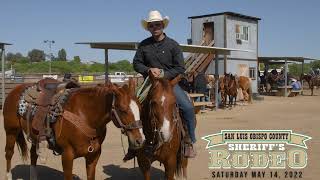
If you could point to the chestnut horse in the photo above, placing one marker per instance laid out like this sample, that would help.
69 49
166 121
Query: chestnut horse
162 127
245 85
232 90
311 80
224 89
94 106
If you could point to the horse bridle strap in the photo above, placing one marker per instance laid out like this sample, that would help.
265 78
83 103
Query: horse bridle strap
79 123
134 125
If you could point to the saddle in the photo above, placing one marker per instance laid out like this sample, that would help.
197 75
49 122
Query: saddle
41 95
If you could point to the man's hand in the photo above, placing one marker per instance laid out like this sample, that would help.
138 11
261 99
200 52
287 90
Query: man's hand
155 72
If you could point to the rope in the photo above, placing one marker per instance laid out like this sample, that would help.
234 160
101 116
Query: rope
144 89
124 151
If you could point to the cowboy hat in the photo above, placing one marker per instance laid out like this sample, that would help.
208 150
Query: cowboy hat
154 16
293 80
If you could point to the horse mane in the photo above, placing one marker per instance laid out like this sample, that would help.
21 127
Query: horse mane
99 90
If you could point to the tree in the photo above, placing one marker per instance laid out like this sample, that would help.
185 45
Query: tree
122 65
315 64
62 55
13 58
77 59
36 55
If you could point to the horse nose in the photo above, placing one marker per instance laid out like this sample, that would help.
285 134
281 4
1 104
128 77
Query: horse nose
139 142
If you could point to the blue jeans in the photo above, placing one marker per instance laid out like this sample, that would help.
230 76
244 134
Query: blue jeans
187 109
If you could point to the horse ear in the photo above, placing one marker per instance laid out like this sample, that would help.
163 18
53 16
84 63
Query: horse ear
115 89
125 87
176 80
151 76
132 86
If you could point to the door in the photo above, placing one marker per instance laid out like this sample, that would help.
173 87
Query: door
208 32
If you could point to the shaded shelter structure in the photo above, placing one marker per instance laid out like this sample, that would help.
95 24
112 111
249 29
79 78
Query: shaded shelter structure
229 30
3 52
285 60
216 51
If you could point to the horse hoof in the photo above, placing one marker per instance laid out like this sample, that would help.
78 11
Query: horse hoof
9 176
75 177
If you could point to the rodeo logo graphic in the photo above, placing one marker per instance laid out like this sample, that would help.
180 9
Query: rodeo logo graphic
257 154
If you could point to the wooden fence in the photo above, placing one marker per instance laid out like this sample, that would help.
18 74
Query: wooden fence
9 84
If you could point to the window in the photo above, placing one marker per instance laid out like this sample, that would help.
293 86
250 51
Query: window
242 32
252 72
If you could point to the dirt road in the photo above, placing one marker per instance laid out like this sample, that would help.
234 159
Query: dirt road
300 114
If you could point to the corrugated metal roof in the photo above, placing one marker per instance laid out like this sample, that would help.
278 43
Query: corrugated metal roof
226 13
2 44
184 47
283 58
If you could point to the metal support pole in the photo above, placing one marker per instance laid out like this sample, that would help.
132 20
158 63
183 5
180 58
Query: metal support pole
106 64
3 75
50 42
302 73
286 78
50 60
216 77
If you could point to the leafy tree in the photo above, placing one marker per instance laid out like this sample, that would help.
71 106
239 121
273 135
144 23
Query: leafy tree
13 58
36 55
76 59
122 65
62 55
315 64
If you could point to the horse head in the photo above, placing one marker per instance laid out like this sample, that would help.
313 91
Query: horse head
160 109
126 113
232 81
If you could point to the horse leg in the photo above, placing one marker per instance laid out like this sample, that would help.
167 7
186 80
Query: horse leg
67 163
184 168
91 162
10 142
230 101
245 95
145 166
170 166
34 157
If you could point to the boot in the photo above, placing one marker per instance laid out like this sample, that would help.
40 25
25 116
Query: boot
189 151
130 155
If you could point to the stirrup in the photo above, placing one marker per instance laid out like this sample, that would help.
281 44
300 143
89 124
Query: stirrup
189 151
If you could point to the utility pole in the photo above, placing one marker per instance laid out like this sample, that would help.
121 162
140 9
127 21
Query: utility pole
50 52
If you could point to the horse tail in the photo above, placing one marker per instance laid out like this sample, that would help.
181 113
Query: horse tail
181 161
22 145
250 92
180 157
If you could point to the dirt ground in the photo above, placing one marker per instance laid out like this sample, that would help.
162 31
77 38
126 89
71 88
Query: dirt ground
300 114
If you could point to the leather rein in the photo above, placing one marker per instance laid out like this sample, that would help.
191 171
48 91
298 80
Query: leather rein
156 131
118 123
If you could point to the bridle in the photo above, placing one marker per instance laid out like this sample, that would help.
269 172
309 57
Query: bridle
156 131
137 124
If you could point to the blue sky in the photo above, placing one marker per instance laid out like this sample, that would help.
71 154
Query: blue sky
287 28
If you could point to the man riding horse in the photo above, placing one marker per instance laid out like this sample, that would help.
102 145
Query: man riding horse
160 54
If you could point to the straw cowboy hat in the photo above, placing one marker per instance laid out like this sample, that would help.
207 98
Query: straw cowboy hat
154 16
